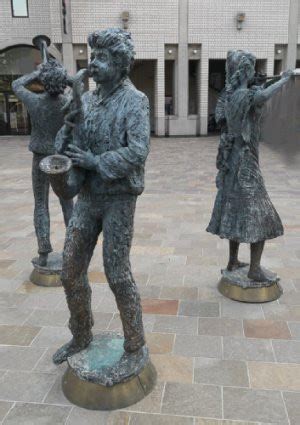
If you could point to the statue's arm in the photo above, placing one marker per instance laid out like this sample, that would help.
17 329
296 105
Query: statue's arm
261 96
20 90
119 163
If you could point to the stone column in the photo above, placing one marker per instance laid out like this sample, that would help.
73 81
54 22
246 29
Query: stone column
183 63
203 107
67 45
160 96
293 34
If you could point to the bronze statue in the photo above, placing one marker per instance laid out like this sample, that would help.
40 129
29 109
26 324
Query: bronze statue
107 136
46 112
243 211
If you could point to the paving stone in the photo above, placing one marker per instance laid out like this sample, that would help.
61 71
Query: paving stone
290 298
148 322
97 277
272 329
45 363
50 336
83 416
157 306
45 317
25 386
37 414
192 400
275 311
5 406
199 308
19 358
173 368
274 376
198 346
13 316
254 405
11 299
294 329
292 402
101 320
221 372
150 291
220 326
160 343
179 325
287 351
179 293
17 335
151 403
200 421
236 310
247 349
144 419
41 301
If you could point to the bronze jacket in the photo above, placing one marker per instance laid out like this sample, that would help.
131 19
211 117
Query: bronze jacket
117 130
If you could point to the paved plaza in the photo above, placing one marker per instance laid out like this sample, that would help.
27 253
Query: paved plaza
219 362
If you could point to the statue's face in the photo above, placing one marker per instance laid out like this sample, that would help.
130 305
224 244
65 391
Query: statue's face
102 67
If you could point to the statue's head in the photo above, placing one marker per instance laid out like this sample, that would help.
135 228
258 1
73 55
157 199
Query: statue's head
112 54
240 65
53 76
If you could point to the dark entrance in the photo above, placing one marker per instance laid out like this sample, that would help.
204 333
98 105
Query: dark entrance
143 77
14 62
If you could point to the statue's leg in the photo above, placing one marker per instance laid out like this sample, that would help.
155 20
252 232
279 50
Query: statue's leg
67 209
81 238
255 272
117 237
233 262
40 185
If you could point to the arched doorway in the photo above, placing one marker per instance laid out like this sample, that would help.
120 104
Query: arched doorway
14 62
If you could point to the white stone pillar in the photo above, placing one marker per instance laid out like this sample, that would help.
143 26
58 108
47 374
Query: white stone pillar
183 62
159 109
293 34
67 40
203 107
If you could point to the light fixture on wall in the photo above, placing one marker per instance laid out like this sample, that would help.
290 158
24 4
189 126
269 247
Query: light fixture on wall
125 19
278 51
170 51
195 52
240 19
80 51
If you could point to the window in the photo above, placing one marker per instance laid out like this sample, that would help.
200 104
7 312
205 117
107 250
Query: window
19 8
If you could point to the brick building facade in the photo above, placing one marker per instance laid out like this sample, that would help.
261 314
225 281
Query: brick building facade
181 46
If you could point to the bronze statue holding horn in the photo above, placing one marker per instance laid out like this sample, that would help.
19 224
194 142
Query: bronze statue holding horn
46 112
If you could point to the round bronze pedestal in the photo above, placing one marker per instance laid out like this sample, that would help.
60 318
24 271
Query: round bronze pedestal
237 286
104 377
99 397
48 275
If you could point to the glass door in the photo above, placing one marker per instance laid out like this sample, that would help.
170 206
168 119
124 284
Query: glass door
18 116
4 125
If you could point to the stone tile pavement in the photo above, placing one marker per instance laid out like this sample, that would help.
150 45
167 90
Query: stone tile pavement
219 362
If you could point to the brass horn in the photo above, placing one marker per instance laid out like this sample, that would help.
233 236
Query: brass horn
42 42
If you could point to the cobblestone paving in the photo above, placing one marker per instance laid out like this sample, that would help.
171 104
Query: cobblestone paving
219 362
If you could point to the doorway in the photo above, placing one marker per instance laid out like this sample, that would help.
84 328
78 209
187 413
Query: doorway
14 118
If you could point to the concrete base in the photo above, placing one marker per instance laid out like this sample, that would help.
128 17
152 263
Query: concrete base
183 126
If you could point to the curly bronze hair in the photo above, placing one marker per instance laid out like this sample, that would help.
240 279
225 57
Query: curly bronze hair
53 76
119 43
